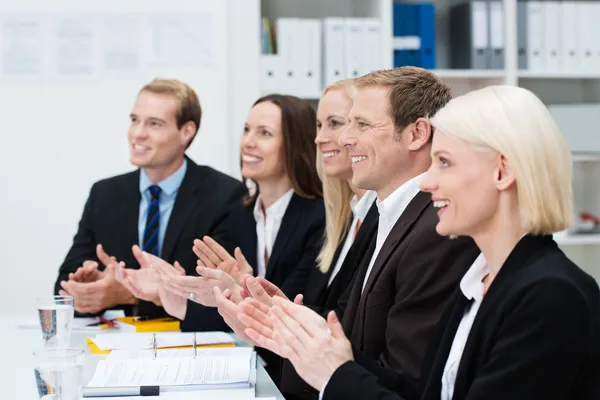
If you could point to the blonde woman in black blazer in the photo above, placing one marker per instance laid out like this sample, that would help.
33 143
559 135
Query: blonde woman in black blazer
524 322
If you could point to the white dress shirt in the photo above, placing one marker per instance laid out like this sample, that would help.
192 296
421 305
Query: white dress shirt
390 210
360 208
267 227
472 287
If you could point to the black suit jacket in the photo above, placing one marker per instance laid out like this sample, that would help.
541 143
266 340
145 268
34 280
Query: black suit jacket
292 259
536 336
322 297
296 247
409 286
110 217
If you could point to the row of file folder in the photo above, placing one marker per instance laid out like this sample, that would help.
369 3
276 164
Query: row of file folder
414 35
301 56
477 35
560 36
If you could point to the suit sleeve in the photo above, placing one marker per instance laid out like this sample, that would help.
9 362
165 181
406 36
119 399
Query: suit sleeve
198 317
220 228
540 346
426 278
296 282
84 243
365 379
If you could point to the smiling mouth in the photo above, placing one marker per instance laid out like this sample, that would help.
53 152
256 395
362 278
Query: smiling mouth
140 147
330 154
357 159
250 159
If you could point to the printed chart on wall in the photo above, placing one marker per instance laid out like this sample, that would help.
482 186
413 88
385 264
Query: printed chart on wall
56 47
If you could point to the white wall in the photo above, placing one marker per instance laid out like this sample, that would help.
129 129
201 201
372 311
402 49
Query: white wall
59 137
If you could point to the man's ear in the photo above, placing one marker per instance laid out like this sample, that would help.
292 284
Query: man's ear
503 174
188 131
419 134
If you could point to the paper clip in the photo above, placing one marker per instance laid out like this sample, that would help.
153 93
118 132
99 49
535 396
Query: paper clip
154 344
195 351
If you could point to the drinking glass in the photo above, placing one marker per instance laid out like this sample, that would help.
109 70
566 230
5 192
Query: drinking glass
58 373
56 317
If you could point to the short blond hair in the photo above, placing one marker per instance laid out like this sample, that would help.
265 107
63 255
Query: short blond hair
336 195
414 93
514 122
188 107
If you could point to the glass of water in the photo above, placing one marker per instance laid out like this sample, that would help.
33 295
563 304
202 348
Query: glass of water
56 317
58 373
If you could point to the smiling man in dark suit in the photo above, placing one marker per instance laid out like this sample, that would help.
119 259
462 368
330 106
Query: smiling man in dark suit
162 207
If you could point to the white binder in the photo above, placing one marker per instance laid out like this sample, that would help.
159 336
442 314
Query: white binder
570 48
353 47
373 56
308 48
552 34
286 31
535 36
334 66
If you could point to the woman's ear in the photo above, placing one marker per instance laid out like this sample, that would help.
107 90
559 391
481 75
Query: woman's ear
504 174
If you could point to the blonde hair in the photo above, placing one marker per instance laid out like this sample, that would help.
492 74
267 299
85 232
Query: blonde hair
188 107
336 195
514 122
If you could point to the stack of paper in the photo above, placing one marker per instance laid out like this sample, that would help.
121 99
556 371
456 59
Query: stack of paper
140 341
211 369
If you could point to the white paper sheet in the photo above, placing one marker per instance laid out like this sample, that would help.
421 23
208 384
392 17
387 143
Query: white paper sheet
138 341
22 46
168 353
227 369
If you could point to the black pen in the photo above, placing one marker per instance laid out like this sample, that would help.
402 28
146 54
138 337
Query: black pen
121 391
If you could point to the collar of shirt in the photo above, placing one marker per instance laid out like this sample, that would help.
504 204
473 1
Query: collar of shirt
167 186
392 207
275 210
471 284
361 207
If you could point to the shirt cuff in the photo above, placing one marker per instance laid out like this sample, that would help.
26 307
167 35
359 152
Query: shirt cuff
323 390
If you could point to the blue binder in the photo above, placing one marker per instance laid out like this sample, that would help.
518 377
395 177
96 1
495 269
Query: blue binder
405 25
427 57
417 21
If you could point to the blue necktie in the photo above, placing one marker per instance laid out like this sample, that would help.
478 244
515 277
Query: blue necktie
150 244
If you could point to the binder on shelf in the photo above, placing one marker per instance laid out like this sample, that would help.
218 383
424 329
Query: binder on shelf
535 37
570 52
271 73
334 67
308 47
286 30
522 34
586 35
426 29
371 45
496 33
353 51
551 56
406 42
469 36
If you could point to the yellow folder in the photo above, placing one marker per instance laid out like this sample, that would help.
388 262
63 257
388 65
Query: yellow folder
166 324
96 350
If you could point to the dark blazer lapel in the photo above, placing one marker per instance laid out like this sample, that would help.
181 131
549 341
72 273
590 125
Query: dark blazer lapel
399 231
288 224
130 208
350 312
439 356
188 199
248 242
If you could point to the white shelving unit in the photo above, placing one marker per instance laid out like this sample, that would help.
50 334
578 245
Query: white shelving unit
556 87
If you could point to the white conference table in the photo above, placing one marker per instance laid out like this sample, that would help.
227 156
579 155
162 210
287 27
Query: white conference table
16 362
